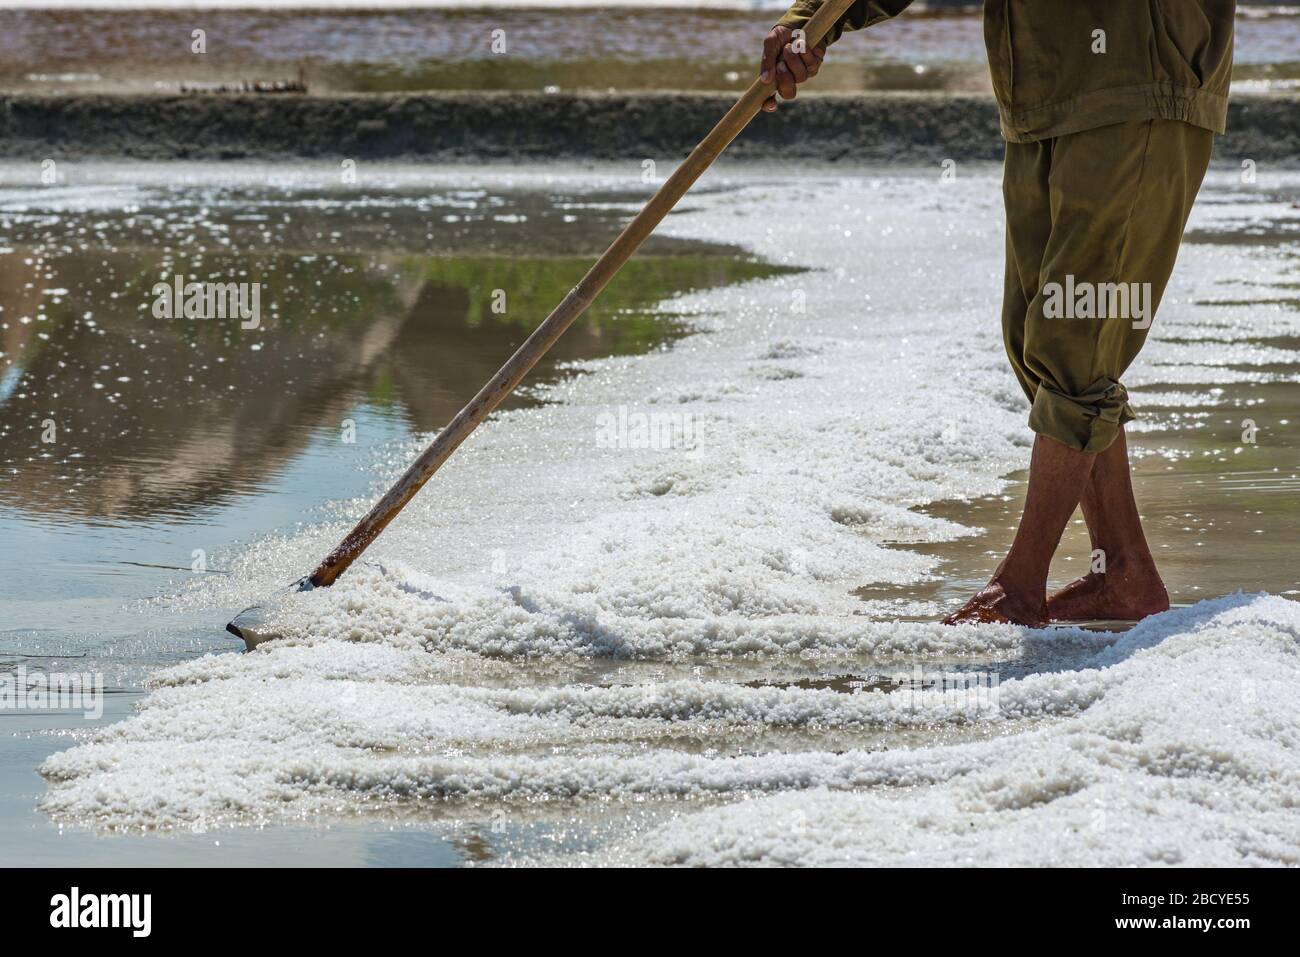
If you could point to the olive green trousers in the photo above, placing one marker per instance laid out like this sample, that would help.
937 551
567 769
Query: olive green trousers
1094 221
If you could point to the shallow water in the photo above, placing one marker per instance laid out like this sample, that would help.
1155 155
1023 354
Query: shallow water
623 48
171 438
576 650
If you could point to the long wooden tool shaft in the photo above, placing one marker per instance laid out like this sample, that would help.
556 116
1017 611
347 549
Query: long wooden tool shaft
570 308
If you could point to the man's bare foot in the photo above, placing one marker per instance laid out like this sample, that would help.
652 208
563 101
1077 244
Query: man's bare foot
1116 595
995 603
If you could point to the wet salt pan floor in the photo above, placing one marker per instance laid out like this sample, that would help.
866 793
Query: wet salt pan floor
505 46
580 646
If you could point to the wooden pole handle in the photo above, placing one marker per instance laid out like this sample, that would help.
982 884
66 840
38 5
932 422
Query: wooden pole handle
570 308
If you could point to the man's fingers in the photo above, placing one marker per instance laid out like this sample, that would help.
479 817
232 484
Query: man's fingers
780 64
784 81
794 63
811 62
771 47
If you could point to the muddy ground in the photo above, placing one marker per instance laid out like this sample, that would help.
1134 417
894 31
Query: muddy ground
881 128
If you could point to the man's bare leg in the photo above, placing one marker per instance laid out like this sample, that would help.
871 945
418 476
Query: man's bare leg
1130 587
1017 592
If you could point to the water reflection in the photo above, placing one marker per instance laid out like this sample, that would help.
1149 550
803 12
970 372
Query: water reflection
111 415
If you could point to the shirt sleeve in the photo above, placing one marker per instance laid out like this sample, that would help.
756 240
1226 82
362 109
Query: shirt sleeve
862 14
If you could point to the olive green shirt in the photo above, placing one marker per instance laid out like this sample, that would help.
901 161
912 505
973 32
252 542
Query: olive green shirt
1064 66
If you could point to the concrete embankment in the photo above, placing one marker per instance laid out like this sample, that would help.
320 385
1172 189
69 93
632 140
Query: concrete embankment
879 127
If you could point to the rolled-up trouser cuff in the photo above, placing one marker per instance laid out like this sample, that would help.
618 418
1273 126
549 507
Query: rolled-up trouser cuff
1086 423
